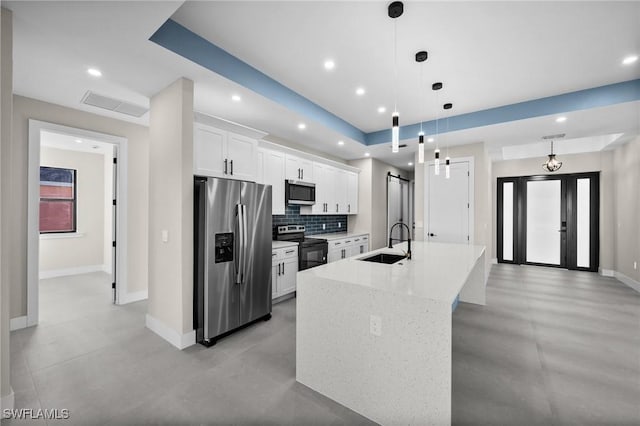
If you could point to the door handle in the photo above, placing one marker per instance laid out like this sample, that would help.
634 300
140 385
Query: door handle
240 259
231 167
225 166
432 235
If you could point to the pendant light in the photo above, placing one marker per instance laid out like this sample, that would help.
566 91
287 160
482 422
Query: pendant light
552 165
447 160
395 10
420 58
435 87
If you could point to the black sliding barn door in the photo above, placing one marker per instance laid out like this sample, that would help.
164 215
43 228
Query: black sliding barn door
549 220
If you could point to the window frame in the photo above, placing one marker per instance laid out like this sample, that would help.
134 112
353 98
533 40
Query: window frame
74 203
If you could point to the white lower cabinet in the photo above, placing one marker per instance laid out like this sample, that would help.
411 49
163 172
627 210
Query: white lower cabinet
347 247
284 267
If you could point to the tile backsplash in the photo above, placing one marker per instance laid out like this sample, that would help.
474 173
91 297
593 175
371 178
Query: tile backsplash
313 224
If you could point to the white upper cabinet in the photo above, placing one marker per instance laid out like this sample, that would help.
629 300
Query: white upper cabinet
242 153
219 153
209 151
340 192
274 174
299 168
336 191
352 193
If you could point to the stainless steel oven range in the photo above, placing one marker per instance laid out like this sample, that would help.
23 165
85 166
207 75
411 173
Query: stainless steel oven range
311 251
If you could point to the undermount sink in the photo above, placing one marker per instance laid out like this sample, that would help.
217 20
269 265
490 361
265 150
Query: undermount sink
387 258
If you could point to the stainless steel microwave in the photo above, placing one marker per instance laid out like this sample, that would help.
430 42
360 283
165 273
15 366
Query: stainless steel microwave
300 193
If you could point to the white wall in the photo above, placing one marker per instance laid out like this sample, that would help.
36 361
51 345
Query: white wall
170 307
7 256
86 249
626 218
137 198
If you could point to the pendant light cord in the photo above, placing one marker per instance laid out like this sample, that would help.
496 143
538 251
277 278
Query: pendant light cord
437 116
395 64
421 95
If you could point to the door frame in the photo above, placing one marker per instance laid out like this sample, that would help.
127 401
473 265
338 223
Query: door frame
567 254
33 212
472 215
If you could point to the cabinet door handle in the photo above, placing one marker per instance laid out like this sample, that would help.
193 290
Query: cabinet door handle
298 173
231 167
289 251
225 166
337 208
279 269
302 173
349 208
282 268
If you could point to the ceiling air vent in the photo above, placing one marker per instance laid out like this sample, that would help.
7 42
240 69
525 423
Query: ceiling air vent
558 136
112 104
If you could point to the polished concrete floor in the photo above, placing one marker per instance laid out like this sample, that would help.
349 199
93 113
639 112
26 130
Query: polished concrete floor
550 347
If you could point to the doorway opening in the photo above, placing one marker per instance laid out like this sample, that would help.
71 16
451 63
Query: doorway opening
76 222
399 207
549 220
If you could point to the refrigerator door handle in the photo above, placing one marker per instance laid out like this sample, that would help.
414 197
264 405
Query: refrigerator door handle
244 241
240 259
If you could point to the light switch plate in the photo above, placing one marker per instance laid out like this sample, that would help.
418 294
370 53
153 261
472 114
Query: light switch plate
324 226
165 236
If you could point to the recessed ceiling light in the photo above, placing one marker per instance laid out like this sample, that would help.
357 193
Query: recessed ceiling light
329 65
236 98
340 143
78 141
410 163
366 154
94 72
430 139
302 126
382 109
630 59
561 119
360 91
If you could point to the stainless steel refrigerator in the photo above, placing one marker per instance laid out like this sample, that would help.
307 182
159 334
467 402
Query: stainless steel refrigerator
232 252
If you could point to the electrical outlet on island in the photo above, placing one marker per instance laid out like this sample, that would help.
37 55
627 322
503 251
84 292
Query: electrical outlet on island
339 225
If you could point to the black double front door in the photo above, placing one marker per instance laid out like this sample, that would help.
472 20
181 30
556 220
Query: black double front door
549 220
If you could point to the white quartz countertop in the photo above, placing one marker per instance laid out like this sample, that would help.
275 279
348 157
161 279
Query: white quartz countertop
437 271
338 235
282 244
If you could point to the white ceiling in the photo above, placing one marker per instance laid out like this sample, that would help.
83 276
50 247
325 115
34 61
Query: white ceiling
487 54
71 143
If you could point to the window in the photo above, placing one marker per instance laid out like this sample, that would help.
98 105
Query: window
57 200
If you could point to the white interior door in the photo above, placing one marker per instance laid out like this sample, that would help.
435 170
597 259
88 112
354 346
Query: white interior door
449 205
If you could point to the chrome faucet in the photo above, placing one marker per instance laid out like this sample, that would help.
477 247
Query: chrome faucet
391 240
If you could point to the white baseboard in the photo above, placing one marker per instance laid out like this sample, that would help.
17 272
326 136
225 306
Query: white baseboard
133 297
53 273
628 281
7 402
17 323
607 272
494 260
178 340
106 269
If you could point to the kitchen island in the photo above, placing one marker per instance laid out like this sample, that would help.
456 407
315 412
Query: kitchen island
377 337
